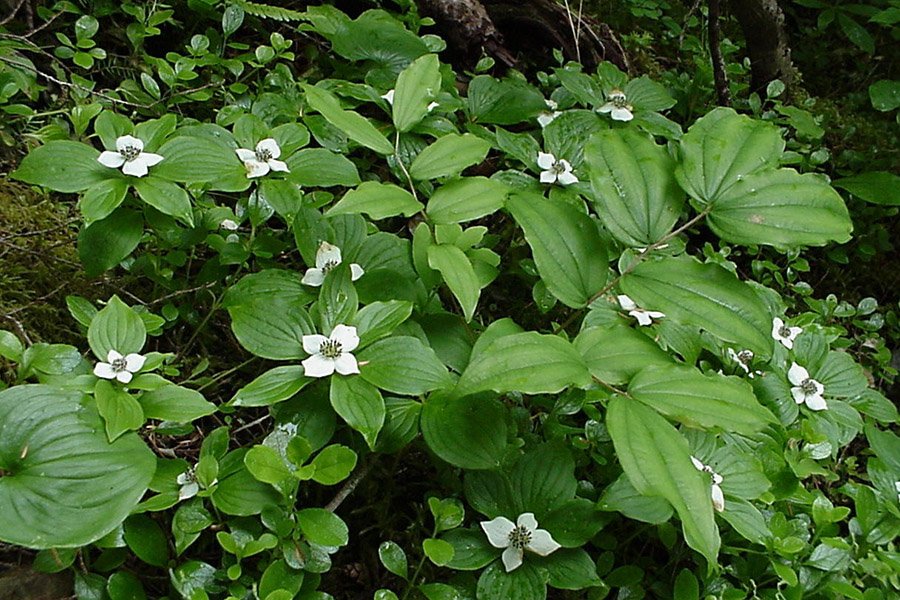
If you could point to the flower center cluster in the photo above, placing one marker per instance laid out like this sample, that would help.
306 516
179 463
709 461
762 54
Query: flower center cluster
263 155
330 349
558 168
329 265
118 365
745 356
808 386
619 100
519 537
785 331
130 152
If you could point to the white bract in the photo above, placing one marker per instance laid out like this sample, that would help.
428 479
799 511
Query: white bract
330 354
188 484
784 334
644 317
262 160
618 107
897 487
547 116
130 156
121 368
806 390
228 225
718 497
328 257
555 170
517 537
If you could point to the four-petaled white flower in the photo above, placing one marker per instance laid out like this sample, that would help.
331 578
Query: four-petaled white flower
718 498
743 359
806 390
644 317
784 334
330 354
262 160
328 257
188 484
618 107
389 96
547 116
121 368
130 156
555 170
517 537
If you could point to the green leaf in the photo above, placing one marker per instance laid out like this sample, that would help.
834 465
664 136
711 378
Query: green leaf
64 484
417 86
448 156
378 200
318 167
704 295
104 244
102 198
353 124
877 187
238 492
394 559
567 248
146 539
526 582
120 411
622 497
722 148
403 365
543 479
503 102
656 459
199 159
166 197
713 402
459 275
574 522
448 431
122 585
273 386
686 586
529 363
616 353
322 527
842 376
64 166
116 327
379 319
571 569
885 95
333 464
360 404
466 199
647 95
856 33
282 195
266 465
780 208
175 403
271 330
10 346
471 550
438 551
635 191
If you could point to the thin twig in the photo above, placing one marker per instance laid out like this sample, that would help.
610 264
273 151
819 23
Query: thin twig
715 51
349 486
13 13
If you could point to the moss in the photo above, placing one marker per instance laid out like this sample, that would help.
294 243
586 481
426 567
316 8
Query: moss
39 264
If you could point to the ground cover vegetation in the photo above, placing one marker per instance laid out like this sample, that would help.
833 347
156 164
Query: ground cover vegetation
293 307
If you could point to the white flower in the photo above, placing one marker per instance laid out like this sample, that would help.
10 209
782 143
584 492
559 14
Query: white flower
262 160
328 257
718 498
330 354
806 390
617 105
784 334
644 317
389 96
518 537
897 487
742 358
547 116
228 225
555 170
188 482
130 156
119 367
